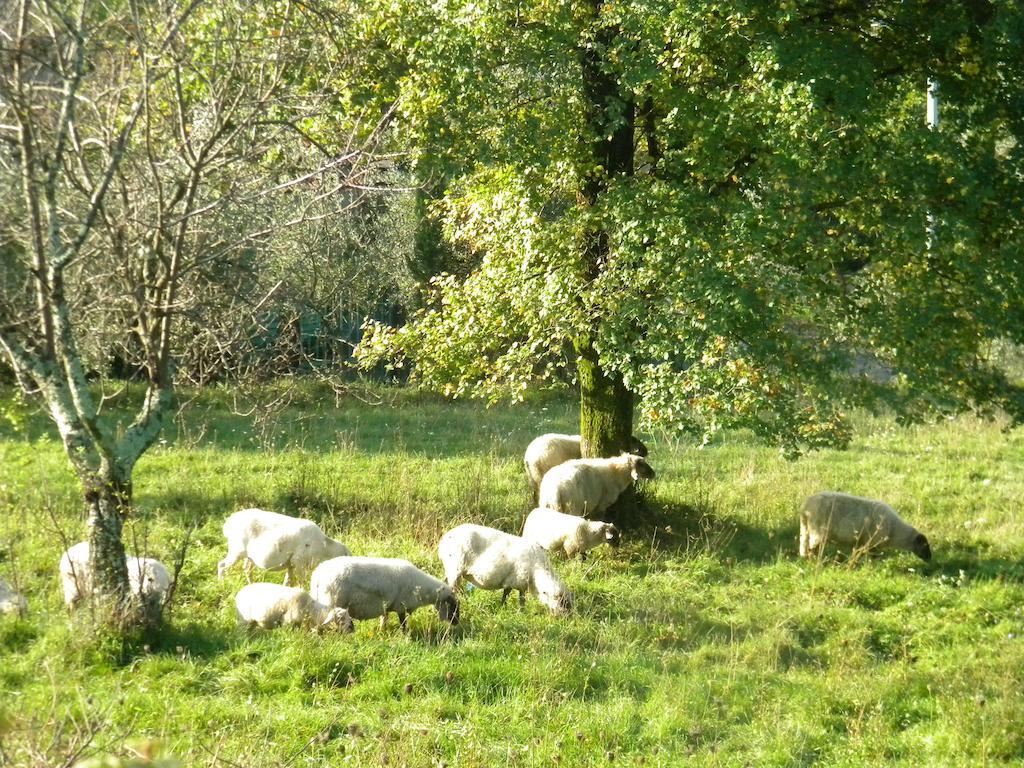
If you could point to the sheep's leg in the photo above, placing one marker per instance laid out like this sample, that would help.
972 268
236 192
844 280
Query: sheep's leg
805 536
504 595
248 566
288 576
383 620
816 546
232 557
403 621
522 599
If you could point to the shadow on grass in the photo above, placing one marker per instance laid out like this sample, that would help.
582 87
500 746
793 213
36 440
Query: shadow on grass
192 640
698 528
957 559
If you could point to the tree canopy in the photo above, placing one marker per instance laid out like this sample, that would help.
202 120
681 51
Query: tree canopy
764 256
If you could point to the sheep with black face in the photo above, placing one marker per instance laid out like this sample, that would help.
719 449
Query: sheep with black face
830 516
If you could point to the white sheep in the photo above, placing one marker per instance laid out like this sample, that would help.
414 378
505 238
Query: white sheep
274 605
845 519
368 587
492 559
552 449
589 486
11 601
276 542
147 577
572 535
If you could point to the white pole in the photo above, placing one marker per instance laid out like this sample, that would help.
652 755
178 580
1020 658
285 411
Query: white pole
932 120
932 115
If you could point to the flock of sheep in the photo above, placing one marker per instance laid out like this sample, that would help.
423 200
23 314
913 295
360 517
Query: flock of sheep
567 489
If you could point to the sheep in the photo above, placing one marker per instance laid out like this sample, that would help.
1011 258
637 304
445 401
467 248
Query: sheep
11 601
845 519
147 577
273 605
589 486
276 542
558 532
374 586
552 449
492 559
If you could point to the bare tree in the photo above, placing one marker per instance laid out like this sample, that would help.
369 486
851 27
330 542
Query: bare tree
141 143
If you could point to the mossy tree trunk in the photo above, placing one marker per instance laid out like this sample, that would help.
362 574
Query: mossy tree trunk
108 500
606 406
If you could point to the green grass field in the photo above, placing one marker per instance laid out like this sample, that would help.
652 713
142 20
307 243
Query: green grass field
702 639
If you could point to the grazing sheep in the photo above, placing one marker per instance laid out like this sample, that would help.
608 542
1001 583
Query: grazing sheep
492 559
11 601
558 532
276 542
552 449
845 519
375 586
147 577
273 605
589 486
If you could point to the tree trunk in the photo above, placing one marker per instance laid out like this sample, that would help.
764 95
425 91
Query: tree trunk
108 496
606 406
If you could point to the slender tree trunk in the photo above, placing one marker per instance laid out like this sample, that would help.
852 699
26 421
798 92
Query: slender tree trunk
606 405
108 499
108 496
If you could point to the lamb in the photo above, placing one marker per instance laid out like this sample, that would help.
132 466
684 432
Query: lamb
845 519
492 559
375 586
557 532
147 577
11 601
589 486
552 449
273 605
276 542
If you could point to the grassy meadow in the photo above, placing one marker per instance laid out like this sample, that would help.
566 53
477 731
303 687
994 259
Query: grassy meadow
703 639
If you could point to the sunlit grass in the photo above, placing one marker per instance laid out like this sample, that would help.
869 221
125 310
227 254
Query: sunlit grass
703 637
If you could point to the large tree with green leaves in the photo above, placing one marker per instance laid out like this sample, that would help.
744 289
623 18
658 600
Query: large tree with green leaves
717 210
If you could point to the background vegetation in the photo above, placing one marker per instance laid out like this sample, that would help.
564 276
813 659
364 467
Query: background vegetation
703 637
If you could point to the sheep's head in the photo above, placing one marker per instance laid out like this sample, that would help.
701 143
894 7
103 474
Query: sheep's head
564 603
334 548
447 606
636 447
920 547
551 591
639 469
337 618
611 534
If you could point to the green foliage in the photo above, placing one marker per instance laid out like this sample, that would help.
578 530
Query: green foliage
769 251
